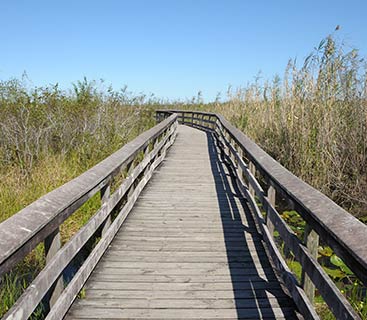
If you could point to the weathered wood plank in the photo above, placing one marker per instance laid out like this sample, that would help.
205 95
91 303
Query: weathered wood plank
146 278
189 295
140 313
190 286
182 304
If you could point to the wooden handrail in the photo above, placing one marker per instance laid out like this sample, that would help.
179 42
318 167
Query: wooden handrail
40 221
345 234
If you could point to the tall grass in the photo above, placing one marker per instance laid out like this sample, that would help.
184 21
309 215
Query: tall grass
48 136
314 121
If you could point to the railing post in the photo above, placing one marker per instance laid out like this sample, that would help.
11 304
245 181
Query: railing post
105 195
272 199
146 152
52 246
239 168
253 172
132 187
231 154
226 148
312 242
217 127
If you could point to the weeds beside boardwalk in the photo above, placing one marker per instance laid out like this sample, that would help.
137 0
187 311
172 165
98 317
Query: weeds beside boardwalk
48 137
314 122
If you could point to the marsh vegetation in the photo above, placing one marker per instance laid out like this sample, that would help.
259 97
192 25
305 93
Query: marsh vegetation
313 120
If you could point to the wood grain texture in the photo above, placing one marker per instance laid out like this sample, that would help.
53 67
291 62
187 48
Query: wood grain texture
188 250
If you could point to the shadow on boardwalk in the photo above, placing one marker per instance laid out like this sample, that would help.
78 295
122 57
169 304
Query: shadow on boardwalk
255 285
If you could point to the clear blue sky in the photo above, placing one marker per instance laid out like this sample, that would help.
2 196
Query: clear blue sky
170 48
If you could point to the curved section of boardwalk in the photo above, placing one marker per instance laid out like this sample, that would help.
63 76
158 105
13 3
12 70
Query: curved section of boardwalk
188 250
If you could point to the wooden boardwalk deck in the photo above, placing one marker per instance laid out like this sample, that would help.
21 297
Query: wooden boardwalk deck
188 250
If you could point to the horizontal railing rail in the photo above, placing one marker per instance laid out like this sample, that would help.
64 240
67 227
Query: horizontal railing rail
41 220
337 228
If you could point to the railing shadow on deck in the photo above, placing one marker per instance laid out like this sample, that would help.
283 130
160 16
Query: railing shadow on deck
267 185
244 270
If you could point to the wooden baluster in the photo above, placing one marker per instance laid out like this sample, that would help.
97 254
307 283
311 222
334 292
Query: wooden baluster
239 168
272 200
226 148
105 195
232 155
130 167
253 172
174 131
217 127
312 242
241 172
52 245
146 152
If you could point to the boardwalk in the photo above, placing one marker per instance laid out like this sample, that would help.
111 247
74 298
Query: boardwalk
195 230
188 250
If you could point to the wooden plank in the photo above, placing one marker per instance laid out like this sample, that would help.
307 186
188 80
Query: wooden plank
190 286
185 254
183 303
122 257
146 278
224 270
140 313
189 295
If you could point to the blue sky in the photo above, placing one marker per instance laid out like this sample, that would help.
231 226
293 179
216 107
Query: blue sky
170 48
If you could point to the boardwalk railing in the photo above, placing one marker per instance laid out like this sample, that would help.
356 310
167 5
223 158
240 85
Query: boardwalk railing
40 221
255 171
